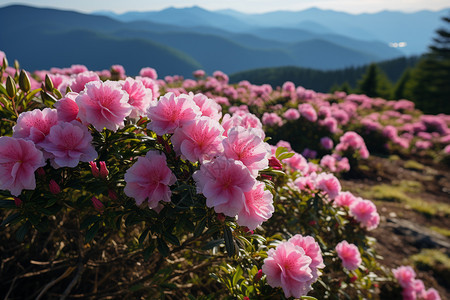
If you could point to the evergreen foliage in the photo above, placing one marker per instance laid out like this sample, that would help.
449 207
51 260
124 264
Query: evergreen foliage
375 83
430 82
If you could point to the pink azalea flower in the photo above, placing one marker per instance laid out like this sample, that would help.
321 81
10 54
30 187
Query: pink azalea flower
149 72
344 199
305 183
298 163
405 275
245 145
271 119
149 179
349 254
329 162
150 84
312 249
198 139
223 181
35 125
287 267
139 97
171 112
208 107
432 294
245 120
68 144
258 207
329 184
19 159
291 114
326 143
199 73
119 70
104 105
308 112
67 108
365 212
79 81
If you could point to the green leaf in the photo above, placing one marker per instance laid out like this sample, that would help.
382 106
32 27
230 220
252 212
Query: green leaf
7 204
229 242
88 221
212 244
10 219
285 156
149 250
143 236
92 232
171 238
237 275
279 151
22 231
32 94
162 247
307 298
200 227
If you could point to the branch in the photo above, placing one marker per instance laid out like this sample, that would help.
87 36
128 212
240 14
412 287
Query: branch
52 283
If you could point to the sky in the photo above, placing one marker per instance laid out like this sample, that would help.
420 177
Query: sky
248 6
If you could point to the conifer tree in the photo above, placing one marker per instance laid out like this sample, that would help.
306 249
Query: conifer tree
430 84
375 83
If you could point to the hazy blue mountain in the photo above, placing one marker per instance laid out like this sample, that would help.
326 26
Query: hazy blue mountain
193 45
185 17
416 28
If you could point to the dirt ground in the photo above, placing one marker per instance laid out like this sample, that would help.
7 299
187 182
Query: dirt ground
396 245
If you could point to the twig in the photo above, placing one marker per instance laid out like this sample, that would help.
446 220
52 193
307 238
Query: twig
11 288
52 283
74 280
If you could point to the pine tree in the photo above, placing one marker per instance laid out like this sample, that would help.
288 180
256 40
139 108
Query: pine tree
430 84
400 90
375 83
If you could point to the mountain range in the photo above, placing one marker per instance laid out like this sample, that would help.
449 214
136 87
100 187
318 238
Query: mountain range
179 41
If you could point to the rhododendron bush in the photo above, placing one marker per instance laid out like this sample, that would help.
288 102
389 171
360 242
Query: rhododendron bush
121 187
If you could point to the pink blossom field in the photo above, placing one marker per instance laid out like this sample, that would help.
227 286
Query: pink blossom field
119 187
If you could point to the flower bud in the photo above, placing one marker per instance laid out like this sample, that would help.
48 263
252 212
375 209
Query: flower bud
17 202
103 170
11 89
98 205
221 217
41 172
16 64
54 187
258 276
112 195
24 81
48 83
94 169
275 163
5 63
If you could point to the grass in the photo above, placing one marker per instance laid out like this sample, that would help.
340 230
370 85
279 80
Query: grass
443 231
400 193
435 260
413 165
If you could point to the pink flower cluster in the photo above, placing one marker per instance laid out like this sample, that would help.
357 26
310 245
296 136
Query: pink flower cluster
349 254
294 265
353 142
413 288
365 212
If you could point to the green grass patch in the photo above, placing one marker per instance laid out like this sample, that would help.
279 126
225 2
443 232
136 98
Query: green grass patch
399 193
436 261
443 231
413 165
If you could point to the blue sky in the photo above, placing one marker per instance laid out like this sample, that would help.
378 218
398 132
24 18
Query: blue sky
250 6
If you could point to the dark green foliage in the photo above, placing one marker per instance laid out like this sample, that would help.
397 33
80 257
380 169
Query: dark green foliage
375 83
323 81
430 83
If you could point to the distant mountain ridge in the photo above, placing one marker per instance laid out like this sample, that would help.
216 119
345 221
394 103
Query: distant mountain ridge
177 41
